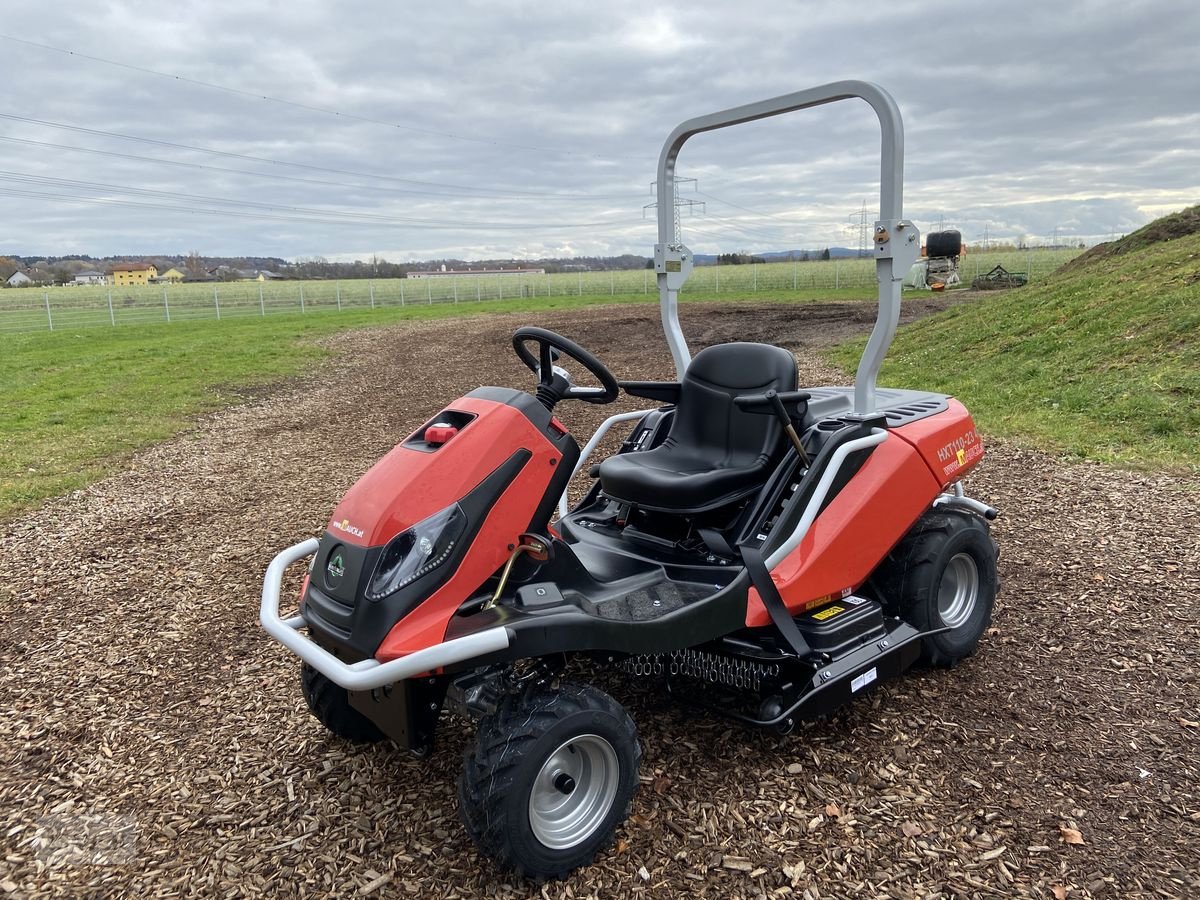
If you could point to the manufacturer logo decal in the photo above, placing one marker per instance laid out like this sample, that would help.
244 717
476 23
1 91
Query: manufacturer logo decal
335 569
959 452
345 526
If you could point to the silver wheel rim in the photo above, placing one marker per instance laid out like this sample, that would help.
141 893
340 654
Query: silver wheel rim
959 590
574 791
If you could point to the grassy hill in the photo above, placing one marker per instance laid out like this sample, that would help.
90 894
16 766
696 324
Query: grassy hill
1101 361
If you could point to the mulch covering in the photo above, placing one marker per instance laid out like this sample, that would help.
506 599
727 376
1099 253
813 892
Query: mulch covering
154 742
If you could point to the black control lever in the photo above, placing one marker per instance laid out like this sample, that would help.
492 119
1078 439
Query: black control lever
775 403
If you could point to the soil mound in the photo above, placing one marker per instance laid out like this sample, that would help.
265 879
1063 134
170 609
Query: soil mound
1168 228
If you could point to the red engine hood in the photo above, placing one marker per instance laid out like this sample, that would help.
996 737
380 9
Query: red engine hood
416 479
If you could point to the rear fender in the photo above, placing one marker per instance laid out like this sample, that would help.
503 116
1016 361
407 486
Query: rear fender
948 442
869 516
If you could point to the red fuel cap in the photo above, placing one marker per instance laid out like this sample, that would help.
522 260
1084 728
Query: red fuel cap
439 434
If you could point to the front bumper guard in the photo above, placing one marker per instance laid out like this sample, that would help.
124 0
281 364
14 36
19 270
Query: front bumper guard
366 674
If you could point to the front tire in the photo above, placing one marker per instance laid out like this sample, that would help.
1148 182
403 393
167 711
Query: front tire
330 704
943 574
550 779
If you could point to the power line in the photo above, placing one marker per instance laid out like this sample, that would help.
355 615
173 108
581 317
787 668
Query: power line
731 223
298 213
256 95
97 132
756 212
224 213
220 213
748 230
280 177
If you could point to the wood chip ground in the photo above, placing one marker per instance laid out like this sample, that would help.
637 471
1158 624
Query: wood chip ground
153 741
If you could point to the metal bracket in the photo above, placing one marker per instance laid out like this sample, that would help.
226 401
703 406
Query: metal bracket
897 240
674 263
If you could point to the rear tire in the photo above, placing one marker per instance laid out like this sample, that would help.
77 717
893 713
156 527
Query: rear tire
549 780
330 704
943 573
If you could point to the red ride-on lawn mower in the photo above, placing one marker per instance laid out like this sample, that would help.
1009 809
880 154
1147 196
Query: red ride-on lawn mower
768 550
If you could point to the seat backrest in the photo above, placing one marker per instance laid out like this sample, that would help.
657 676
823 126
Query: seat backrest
706 420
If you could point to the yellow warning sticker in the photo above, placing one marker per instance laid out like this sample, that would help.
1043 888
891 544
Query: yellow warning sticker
828 613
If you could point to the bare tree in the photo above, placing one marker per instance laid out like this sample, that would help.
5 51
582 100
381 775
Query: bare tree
193 264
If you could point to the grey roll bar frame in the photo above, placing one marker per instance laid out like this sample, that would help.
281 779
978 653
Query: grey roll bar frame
897 242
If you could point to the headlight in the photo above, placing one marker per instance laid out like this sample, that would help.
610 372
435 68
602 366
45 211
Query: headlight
416 552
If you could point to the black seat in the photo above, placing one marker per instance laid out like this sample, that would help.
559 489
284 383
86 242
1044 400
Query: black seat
714 452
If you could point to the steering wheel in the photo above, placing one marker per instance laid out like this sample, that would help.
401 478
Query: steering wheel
554 386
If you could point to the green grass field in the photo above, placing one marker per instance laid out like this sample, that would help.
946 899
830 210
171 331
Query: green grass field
36 309
1101 361
79 401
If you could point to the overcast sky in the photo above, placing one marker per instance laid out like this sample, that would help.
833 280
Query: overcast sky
475 130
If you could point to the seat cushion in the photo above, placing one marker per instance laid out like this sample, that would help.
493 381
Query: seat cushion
714 453
666 479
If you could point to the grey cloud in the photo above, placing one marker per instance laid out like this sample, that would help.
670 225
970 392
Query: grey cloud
1020 119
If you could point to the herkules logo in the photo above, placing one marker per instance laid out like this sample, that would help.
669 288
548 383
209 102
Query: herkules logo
345 526
334 571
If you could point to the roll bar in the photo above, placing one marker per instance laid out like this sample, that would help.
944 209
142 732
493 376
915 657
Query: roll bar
897 242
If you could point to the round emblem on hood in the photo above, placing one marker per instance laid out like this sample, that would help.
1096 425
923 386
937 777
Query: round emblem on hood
335 568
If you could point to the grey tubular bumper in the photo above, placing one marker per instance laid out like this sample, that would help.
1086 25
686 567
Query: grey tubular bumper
368 673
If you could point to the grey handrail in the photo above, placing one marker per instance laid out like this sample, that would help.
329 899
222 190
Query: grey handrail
897 242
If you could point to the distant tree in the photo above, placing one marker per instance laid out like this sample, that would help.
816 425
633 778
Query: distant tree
7 267
825 253
738 259
193 265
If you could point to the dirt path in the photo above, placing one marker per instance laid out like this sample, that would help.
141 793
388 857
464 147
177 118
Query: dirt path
154 741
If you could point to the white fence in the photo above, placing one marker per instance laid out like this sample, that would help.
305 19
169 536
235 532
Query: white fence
39 309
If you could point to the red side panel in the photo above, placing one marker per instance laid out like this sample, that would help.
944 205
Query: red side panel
868 517
411 484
